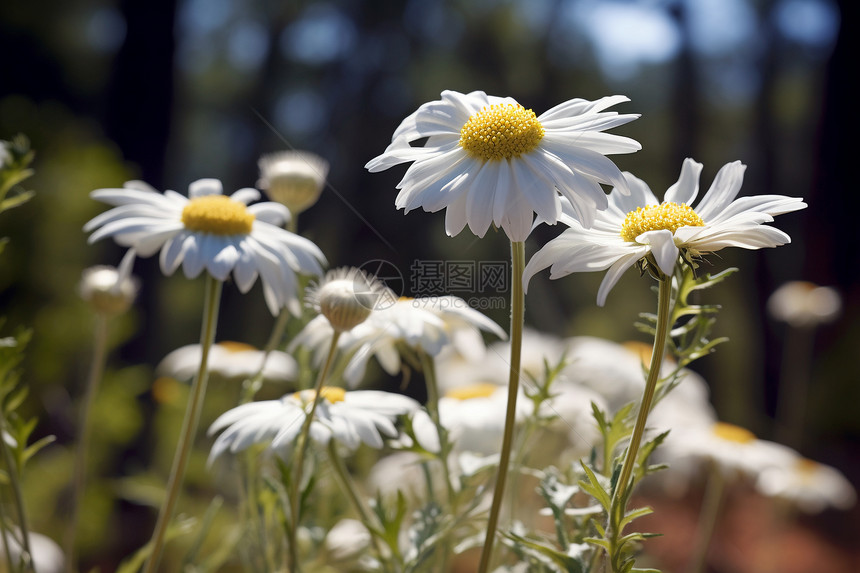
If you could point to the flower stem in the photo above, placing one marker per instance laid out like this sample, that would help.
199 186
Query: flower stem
660 336
252 385
708 514
97 365
189 422
301 449
620 496
348 486
429 368
516 334
13 469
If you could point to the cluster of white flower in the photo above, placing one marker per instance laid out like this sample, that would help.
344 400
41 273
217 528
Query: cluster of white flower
487 161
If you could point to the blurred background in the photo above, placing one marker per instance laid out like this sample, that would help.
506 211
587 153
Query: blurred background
170 91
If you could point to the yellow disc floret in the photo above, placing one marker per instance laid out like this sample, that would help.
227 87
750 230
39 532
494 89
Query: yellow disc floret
218 215
331 394
501 131
666 216
479 390
732 433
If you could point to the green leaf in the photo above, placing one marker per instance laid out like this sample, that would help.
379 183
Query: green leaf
567 563
595 489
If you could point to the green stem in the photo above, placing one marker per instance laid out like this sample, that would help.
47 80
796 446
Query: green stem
12 474
661 335
708 514
621 494
349 488
253 384
97 365
301 449
516 334
429 368
10 565
189 423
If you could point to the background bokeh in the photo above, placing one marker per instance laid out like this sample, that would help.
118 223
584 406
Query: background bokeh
170 91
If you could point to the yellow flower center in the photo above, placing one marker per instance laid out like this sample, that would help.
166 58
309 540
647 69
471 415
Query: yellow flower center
330 393
479 390
217 214
732 433
666 216
501 131
233 346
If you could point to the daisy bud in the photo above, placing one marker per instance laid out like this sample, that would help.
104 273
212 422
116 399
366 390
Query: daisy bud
293 178
804 304
108 291
346 296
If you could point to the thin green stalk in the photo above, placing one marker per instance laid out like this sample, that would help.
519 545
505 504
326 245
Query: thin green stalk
97 365
189 423
620 496
351 492
661 335
12 469
516 335
253 384
302 446
5 534
708 514
429 368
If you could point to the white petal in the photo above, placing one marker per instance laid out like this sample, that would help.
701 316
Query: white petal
203 187
614 274
684 191
246 195
479 198
663 248
723 190
455 216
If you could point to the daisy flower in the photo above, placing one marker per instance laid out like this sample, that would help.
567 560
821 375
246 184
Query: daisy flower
346 297
488 160
231 360
428 324
474 416
350 418
803 304
733 450
108 290
294 179
812 486
636 226
211 231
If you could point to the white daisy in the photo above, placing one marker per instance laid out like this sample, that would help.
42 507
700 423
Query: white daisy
294 179
346 297
488 160
812 486
208 230
350 418
474 417
231 360
108 290
733 450
428 324
638 225
617 372
803 304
